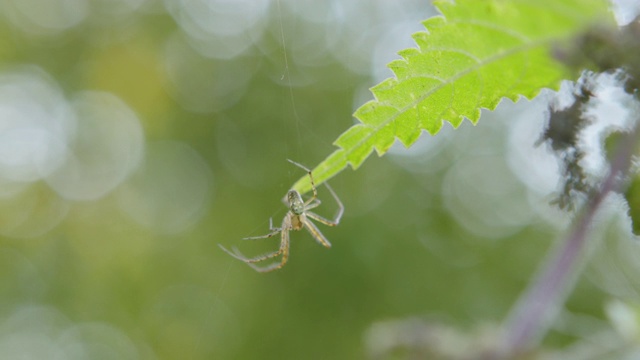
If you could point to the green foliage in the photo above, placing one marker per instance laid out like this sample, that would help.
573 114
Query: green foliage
471 57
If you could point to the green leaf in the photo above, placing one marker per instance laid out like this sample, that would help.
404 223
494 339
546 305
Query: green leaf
475 54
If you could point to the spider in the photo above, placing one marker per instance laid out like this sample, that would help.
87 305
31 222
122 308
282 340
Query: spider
296 218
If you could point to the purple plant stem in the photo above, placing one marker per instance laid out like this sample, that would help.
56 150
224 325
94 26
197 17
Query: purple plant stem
532 314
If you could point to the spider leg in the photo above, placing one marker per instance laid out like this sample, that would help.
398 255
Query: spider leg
284 250
273 230
272 233
320 219
238 255
315 232
299 165
312 205
313 185
336 219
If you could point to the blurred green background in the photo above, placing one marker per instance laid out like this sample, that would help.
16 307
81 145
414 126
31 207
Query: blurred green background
136 135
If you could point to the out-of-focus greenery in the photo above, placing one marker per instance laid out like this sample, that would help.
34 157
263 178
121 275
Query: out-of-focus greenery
168 133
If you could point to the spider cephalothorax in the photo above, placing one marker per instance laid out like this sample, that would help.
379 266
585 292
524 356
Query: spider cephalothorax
295 202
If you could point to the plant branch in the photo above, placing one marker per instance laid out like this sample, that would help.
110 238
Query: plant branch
532 314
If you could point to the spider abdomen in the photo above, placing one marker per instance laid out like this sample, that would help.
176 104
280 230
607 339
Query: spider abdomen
296 222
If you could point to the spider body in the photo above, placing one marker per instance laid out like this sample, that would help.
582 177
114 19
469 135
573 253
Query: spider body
295 202
297 218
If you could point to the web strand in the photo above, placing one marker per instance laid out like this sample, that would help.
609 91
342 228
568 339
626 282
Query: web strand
287 74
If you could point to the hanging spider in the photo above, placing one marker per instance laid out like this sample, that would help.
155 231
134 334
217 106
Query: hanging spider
296 218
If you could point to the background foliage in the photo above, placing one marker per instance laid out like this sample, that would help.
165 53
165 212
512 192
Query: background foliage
163 129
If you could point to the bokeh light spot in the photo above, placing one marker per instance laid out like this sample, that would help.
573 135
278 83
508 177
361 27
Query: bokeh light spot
34 121
107 145
220 29
44 17
170 191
